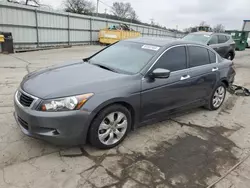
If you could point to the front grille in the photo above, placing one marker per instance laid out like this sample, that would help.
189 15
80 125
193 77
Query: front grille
25 100
23 123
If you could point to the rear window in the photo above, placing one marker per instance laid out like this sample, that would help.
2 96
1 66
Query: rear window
228 37
198 56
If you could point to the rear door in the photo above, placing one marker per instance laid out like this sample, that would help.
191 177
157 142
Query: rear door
203 71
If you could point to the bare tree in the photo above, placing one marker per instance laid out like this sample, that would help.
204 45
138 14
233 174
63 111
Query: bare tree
26 2
203 23
219 28
124 10
133 15
79 6
188 30
152 21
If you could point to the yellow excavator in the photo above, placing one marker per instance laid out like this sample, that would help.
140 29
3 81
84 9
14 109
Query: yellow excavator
1 38
204 28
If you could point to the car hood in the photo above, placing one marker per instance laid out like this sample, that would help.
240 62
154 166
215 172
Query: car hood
71 79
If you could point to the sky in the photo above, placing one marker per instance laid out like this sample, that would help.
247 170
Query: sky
183 13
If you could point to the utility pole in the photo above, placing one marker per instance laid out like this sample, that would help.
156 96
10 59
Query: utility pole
97 6
176 32
152 21
105 12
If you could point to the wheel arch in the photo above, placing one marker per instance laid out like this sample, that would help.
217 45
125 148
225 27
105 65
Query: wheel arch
231 51
225 81
122 102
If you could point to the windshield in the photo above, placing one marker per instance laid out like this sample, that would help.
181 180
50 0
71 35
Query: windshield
125 57
201 38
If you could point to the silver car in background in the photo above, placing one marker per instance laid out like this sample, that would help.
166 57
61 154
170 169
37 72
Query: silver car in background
222 43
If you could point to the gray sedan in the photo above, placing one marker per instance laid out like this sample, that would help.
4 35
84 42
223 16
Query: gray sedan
121 87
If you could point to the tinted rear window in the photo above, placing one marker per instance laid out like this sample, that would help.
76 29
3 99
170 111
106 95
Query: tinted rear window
198 56
228 37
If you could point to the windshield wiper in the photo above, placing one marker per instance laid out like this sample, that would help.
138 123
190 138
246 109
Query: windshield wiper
104 67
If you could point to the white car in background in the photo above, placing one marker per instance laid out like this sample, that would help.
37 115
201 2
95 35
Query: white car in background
248 42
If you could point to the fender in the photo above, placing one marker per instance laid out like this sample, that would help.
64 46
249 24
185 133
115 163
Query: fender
132 103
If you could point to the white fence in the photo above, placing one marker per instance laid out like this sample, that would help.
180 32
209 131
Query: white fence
32 27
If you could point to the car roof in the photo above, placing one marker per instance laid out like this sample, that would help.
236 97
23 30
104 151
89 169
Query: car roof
208 33
162 42
202 33
152 40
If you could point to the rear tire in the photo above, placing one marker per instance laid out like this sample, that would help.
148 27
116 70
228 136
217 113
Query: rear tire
110 127
217 98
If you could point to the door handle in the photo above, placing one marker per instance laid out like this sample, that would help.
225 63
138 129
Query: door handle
185 77
215 69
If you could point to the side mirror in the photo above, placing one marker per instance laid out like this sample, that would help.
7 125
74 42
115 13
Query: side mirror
160 73
85 59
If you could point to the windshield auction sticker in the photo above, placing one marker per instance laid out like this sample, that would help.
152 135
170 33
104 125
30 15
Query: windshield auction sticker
149 47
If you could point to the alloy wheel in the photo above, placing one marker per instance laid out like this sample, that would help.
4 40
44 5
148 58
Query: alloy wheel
219 96
112 128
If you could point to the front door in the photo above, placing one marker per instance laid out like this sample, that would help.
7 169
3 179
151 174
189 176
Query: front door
160 95
214 43
223 46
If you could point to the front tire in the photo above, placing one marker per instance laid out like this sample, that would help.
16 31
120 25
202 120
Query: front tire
217 98
110 127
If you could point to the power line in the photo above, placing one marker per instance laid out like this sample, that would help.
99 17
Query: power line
105 4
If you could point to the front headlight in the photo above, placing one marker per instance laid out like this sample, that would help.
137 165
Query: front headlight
65 104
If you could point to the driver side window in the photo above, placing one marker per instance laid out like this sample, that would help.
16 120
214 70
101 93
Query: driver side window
213 40
173 59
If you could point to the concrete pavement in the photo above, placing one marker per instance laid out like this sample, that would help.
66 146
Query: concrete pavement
191 150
